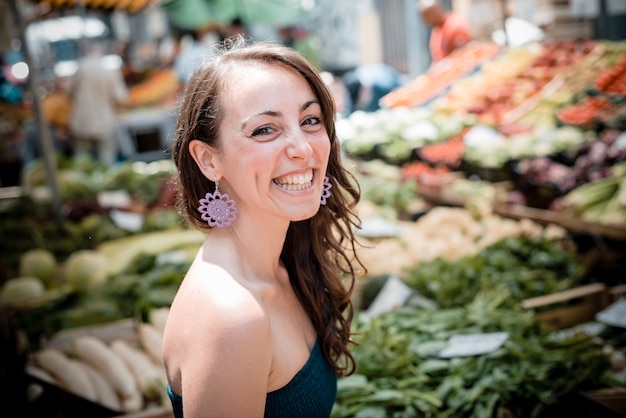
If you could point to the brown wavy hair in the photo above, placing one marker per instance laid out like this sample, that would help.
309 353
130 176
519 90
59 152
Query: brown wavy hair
318 253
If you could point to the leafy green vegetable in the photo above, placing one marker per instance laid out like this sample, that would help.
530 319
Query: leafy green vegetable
399 375
526 267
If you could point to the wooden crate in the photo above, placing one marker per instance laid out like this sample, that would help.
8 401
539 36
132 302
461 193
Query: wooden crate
152 412
616 292
544 216
571 307
614 398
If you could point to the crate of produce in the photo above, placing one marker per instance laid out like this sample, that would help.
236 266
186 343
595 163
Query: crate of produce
436 189
592 112
507 203
571 307
611 83
108 370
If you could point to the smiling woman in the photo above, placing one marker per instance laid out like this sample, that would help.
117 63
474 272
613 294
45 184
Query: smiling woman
261 323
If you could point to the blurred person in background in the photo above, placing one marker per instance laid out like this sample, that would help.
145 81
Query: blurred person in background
368 83
57 109
235 28
96 91
56 106
449 30
195 47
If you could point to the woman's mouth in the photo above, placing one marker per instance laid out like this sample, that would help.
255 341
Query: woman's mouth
295 182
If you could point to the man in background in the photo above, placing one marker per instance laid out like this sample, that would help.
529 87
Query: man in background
449 30
96 91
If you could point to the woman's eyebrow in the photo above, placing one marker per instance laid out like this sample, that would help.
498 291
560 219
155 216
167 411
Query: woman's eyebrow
307 104
274 113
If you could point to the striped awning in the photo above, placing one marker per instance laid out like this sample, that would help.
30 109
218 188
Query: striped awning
130 6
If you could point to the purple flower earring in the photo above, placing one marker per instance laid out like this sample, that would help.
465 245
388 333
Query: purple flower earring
326 191
217 209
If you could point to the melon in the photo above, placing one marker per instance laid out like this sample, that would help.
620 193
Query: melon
85 269
22 289
40 263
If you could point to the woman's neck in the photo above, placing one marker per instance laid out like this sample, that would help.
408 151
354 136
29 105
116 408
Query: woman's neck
255 244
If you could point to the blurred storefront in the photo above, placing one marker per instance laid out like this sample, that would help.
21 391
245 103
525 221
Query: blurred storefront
336 35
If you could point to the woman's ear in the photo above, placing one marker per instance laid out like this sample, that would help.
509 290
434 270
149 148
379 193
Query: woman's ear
206 158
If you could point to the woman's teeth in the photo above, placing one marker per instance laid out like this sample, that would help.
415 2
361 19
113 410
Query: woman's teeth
300 182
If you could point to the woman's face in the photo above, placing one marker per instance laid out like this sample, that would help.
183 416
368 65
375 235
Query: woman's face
274 146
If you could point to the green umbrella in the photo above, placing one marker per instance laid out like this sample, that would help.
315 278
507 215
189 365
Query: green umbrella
192 14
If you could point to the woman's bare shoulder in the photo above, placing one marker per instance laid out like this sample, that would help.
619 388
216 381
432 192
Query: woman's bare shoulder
211 302
217 331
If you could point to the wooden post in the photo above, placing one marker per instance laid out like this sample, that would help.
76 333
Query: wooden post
41 125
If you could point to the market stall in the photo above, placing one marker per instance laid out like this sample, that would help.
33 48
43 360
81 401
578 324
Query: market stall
538 121
539 136
481 191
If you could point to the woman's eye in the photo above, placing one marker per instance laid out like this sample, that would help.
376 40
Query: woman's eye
262 131
314 120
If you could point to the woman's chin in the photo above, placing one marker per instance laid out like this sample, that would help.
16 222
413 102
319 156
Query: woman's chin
305 213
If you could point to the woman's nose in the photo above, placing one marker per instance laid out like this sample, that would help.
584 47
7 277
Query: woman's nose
299 146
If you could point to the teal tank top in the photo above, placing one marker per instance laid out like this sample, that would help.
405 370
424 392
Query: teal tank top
310 394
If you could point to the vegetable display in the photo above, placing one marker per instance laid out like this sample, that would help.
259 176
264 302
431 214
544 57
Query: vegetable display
434 82
394 134
22 289
400 373
118 372
98 354
526 267
540 142
448 153
584 113
447 233
468 267
385 187
613 80
146 277
28 222
602 201
495 94
40 263
424 172
83 178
